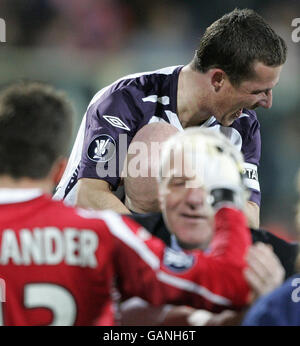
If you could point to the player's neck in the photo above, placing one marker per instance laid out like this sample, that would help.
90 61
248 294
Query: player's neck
192 97
8 182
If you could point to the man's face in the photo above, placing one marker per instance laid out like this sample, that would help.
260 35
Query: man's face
250 94
185 209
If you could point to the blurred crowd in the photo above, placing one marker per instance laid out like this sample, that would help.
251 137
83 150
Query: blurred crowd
83 45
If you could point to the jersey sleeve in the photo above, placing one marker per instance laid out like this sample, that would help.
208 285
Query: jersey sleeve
212 281
251 149
110 125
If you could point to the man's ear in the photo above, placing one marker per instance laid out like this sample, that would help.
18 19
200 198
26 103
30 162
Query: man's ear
58 169
217 78
159 196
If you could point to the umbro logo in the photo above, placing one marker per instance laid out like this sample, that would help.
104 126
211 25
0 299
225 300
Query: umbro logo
116 122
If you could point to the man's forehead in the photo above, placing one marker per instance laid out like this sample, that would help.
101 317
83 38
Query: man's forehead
266 77
182 168
185 169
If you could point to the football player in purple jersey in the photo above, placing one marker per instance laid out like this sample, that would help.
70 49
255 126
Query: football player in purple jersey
236 65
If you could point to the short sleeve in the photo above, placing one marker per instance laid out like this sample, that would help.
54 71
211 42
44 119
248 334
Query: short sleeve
110 127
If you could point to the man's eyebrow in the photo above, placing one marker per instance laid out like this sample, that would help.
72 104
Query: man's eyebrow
258 91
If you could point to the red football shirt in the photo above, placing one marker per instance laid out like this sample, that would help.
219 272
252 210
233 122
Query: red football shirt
59 265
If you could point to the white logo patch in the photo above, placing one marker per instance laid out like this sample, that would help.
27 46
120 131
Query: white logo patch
177 260
116 122
102 148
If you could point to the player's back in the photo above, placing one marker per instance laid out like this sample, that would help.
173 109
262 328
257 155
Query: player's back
50 263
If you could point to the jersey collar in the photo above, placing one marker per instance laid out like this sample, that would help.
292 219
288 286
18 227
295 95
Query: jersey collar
18 195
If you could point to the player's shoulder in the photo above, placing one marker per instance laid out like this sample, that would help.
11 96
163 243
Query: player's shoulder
105 223
247 118
113 221
247 124
70 216
131 86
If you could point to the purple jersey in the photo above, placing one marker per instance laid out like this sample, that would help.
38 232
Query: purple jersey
118 111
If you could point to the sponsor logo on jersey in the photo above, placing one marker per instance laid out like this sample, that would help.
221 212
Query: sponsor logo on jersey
177 260
102 148
116 122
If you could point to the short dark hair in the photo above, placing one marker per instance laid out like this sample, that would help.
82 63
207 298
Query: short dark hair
235 41
35 129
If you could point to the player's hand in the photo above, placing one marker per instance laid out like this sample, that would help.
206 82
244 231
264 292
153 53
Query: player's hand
264 272
178 316
207 318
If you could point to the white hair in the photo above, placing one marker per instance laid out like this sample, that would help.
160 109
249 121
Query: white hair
197 141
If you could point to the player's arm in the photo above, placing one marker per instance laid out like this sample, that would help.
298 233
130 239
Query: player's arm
137 312
251 149
252 212
96 194
106 138
264 272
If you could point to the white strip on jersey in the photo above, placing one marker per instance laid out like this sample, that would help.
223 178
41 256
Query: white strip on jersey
164 100
120 229
155 119
192 287
230 133
174 120
73 163
251 176
165 70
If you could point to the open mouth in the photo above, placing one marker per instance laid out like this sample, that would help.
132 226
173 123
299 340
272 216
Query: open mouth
193 217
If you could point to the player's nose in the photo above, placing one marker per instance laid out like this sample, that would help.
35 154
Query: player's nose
195 196
266 102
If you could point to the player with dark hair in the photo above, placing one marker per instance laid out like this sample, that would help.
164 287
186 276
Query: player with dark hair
59 265
31 139
235 67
